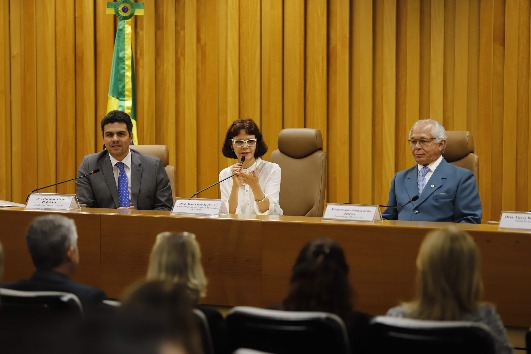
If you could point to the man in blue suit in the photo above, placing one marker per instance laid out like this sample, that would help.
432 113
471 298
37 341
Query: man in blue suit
445 192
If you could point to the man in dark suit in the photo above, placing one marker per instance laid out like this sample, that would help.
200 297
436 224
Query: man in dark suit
52 243
127 178
445 192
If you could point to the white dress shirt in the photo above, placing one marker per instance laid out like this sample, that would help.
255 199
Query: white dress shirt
269 180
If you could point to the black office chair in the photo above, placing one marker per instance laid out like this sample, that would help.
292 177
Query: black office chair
283 332
204 332
38 302
412 336
32 321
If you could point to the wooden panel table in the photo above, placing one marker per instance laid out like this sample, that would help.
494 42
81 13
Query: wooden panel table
248 261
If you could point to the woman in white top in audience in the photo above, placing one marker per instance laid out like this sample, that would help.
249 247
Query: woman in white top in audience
449 285
255 186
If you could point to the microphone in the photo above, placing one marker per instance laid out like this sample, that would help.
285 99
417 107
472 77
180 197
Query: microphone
68 180
242 160
400 206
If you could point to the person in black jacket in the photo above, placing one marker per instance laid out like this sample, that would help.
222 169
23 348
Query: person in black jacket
52 243
319 282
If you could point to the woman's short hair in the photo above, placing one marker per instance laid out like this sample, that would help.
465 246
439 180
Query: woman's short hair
176 257
319 280
449 284
250 127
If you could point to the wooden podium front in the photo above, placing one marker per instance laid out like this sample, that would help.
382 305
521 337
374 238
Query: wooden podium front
248 261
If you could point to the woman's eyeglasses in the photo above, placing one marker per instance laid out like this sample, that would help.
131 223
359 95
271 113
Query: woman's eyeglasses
239 142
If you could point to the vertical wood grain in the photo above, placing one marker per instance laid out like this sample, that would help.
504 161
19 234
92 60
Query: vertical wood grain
5 103
272 89
339 103
294 63
360 71
66 94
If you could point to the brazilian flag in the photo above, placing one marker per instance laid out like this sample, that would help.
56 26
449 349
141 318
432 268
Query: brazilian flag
122 82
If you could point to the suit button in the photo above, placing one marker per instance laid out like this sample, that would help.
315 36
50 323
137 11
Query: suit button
415 211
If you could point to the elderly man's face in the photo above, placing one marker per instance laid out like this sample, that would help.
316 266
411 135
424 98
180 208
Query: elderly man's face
423 146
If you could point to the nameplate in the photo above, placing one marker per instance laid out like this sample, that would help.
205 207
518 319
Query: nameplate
515 220
354 212
52 201
197 206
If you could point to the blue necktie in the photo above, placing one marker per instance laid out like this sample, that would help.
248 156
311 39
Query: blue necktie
422 178
123 187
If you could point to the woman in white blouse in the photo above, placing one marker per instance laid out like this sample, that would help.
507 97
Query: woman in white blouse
255 184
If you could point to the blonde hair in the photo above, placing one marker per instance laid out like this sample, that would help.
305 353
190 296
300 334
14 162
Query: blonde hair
449 284
176 257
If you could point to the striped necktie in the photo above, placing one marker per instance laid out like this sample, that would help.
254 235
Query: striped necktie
422 178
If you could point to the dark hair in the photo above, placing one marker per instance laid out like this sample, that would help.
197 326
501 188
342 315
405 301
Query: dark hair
319 280
252 129
117 117
48 238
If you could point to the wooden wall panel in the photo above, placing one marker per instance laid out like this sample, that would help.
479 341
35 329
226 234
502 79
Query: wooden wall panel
5 103
361 71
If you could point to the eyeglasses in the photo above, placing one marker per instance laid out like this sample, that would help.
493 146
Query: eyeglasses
239 142
422 142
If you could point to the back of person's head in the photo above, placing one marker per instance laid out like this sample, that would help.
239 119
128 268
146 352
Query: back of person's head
169 309
154 317
49 238
449 284
117 117
319 280
176 257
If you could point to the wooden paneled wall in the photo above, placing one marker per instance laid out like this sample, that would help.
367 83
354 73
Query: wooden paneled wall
361 71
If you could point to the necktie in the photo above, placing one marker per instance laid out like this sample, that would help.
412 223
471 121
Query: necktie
422 178
123 188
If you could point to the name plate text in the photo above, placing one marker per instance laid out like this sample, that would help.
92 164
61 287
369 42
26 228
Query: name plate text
515 220
197 206
354 212
52 201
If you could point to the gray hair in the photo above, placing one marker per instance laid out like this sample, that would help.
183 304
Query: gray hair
48 238
437 130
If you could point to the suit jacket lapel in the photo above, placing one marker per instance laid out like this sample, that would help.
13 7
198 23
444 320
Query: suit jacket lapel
106 168
435 182
411 182
136 177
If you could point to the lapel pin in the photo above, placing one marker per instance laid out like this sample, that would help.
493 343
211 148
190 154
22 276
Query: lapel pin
432 186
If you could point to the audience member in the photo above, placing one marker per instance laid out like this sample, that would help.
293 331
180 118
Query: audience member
449 285
445 192
319 282
156 317
127 178
255 185
176 257
52 243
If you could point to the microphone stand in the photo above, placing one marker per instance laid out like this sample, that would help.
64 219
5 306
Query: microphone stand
242 160
58 183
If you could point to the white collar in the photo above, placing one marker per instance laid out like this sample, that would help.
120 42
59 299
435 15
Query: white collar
126 160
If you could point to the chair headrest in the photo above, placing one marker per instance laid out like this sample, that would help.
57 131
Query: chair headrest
299 142
160 151
458 145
